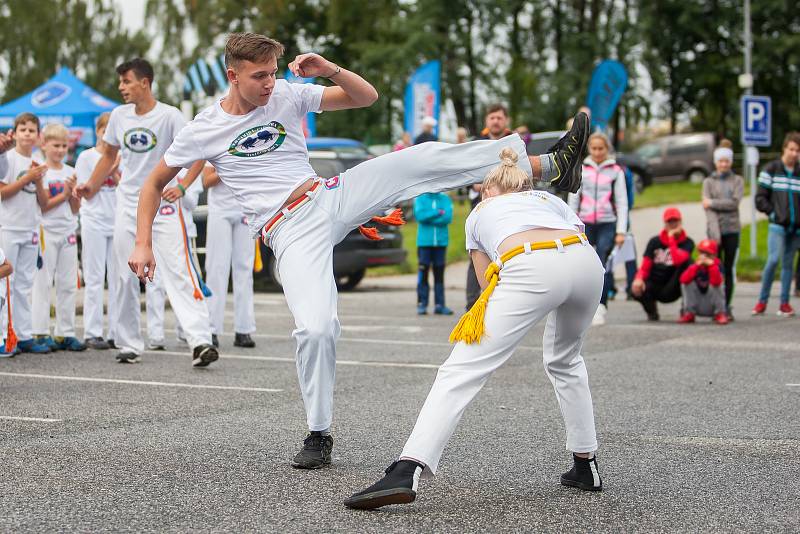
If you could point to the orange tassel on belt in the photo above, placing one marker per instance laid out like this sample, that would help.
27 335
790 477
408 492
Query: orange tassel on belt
393 219
11 338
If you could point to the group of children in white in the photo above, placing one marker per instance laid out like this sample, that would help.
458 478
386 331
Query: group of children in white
529 246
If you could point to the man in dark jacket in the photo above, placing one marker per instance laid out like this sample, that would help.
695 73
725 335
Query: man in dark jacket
428 124
778 196
666 257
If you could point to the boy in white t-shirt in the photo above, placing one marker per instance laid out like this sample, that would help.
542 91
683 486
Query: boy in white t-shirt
254 139
142 130
97 244
60 244
23 194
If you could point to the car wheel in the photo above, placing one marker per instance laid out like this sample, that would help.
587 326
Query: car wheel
272 271
349 281
696 176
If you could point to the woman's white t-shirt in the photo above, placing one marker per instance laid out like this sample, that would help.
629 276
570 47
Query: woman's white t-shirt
497 218
59 220
262 156
98 211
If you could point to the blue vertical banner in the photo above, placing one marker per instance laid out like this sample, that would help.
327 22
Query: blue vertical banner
310 120
423 97
609 81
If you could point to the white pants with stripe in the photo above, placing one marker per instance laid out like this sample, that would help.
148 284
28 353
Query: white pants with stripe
21 249
98 263
303 244
60 267
170 257
563 286
230 248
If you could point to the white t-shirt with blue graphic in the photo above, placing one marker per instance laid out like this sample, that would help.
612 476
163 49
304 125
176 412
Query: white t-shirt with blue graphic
262 156
143 140
59 220
20 212
98 211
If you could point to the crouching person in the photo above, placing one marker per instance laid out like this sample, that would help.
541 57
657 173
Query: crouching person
701 286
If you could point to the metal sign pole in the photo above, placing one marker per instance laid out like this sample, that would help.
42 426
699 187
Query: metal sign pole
750 170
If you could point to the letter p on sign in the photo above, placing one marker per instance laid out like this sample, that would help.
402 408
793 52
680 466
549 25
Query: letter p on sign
756 122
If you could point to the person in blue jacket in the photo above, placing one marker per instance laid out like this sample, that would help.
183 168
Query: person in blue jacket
433 212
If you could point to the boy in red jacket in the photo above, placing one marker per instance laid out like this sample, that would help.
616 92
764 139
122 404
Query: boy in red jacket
701 285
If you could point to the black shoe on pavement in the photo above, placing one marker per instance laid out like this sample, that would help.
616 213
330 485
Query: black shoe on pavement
316 451
215 340
127 357
399 486
97 343
204 354
110 342
583 475
243 340
568 155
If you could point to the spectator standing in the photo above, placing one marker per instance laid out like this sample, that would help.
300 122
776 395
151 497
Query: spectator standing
403 142
602 204
434 213
777 196
722 193
701 286
666 257
428 124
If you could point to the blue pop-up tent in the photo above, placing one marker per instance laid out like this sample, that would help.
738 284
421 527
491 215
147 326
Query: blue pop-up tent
63 99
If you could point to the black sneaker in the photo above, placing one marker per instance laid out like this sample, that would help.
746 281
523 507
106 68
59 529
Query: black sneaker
316 451
568 155
127 357
243 340
215 340
111 344
399 486
97 343
583 475
204 354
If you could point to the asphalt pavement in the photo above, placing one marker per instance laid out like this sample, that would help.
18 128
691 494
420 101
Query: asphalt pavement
698 427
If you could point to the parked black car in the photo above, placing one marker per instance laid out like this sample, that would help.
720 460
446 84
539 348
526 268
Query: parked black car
355 254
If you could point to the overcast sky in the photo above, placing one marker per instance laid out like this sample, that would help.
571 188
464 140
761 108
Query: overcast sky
132 13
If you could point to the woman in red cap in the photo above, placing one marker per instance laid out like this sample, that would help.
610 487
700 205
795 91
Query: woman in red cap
666 257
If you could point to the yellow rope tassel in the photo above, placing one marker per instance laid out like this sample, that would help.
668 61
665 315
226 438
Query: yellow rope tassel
41 238
471 326
258 263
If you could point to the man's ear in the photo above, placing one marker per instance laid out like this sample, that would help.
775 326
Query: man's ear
232 76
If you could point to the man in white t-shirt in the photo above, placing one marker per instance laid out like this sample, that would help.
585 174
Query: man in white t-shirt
253 137
142 130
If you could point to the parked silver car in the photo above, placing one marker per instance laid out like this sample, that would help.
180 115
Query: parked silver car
680 157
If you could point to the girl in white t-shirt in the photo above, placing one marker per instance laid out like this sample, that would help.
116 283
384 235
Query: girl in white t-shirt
533 262
60 224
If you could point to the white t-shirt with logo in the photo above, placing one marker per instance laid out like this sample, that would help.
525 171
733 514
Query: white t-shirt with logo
262 156
20 212
59 220
221 200
497 218
142 139
98 211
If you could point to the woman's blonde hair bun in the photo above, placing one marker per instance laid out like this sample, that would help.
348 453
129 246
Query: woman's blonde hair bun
508 158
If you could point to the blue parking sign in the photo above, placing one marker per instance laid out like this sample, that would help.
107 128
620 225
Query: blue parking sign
756 120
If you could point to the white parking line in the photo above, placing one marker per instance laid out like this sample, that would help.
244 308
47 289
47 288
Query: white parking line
292 360
140 382
385 341
32 419
793 385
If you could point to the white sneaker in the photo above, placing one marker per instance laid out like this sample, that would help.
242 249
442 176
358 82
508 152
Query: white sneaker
600 315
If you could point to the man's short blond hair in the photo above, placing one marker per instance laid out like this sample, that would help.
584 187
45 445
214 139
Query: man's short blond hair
251 47
54 131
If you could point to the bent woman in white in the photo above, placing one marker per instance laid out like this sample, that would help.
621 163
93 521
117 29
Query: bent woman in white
554 273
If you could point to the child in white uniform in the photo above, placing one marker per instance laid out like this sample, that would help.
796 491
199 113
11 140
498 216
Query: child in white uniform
23 194
60 223
97 245
546 268
228 247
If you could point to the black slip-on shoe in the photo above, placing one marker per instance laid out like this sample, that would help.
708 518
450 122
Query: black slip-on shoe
316 451
127 357
97 343
583 475
398 486
568 155
243 340
204 354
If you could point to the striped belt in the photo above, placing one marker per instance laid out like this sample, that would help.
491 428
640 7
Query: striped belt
470 328
286 213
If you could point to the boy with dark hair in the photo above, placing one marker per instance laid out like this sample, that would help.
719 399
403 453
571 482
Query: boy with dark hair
23 195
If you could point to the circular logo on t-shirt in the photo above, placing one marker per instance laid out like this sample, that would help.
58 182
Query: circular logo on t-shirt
140 140
258 140
30 187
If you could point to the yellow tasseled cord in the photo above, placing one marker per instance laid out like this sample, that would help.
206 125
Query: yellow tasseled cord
470 327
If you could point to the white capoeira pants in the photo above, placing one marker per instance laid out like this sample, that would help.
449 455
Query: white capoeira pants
21 249
99 264
303 244
563 286
230 247
60 266
170 257
155 299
